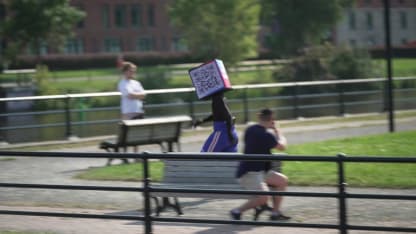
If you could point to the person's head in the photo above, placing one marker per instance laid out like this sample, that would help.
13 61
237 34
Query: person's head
129 69
266 117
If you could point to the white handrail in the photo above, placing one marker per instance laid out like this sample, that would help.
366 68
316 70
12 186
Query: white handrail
183 90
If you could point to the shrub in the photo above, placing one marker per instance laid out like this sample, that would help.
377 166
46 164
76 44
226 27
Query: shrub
327 62
103 60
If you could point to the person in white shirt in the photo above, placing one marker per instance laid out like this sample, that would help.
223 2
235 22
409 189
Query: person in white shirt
132 93
132 96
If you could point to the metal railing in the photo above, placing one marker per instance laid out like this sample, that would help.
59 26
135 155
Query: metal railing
289 106
147 189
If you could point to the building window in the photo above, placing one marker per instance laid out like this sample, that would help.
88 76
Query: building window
136 15
352 20
178 44
145 44
403 20
2 17
371 41
120 14
369 21
34 49
74 46
105 15
2 11
151 15
112 45
404 41
368 2
353 43
80 23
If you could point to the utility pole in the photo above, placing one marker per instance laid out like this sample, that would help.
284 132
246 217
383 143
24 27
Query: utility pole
390 100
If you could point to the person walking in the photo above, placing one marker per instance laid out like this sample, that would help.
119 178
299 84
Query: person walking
260 138
224 137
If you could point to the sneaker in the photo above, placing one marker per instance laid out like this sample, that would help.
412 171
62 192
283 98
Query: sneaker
235 215
278 217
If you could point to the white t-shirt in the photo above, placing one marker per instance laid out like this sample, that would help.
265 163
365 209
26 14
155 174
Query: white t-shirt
129 105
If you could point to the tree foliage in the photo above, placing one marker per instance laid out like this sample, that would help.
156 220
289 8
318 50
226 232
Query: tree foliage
217 28
326 62
297 23
33 23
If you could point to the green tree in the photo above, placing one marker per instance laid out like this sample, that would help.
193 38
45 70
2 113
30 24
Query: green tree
217 28
327 62
295 24
34 23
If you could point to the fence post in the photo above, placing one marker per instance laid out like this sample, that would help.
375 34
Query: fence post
341 99
146 194
245 104
295 102
191 108
68 117
342 195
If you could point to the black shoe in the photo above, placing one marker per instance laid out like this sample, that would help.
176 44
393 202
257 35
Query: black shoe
279 217
235 216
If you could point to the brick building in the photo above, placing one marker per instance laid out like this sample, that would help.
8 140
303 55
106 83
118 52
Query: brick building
123 25
363 25
119 26
142 26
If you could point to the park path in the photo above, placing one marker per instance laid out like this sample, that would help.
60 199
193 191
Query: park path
304 210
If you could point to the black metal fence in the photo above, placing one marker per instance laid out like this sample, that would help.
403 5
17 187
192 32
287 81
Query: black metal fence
72 118
147 189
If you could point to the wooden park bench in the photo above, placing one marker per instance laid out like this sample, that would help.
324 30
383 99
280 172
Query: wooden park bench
147 131
200 174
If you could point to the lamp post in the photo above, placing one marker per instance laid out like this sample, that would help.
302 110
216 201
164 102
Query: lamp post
388 56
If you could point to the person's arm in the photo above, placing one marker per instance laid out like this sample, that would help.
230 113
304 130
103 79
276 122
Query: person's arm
136 92
230 123
281 139
221 112
137 95
201 121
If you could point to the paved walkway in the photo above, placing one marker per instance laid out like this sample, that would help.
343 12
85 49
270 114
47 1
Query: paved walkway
303 210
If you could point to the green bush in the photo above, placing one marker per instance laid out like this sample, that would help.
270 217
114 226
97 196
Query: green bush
327 62
89 61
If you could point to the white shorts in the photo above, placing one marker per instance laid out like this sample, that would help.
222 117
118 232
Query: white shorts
254 180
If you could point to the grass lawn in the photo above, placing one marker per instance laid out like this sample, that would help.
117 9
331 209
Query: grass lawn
400 66
104 80
129 172
384 175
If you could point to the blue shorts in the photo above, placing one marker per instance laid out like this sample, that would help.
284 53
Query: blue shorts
218 141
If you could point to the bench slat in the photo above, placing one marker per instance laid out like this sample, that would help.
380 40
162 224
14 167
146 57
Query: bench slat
204 162
150 130
157 121
196 180
200 172
234 186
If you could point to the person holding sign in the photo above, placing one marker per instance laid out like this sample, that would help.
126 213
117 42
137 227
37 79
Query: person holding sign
211 81
224 138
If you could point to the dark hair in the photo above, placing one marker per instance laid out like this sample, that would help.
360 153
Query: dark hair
265 114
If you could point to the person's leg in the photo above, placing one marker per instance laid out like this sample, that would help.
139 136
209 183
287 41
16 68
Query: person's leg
253 203
251 181
211 143
279 183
